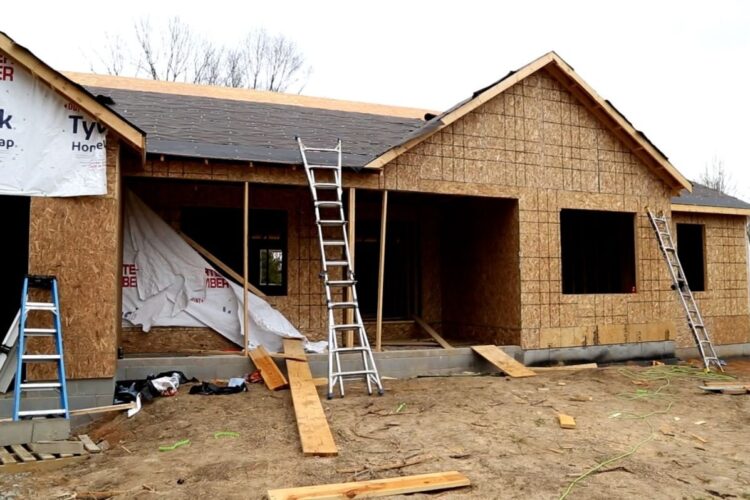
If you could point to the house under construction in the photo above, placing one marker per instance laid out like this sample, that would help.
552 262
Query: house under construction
517 218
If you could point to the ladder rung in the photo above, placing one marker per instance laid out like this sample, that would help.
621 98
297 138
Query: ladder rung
39 332
39 386
331 222
325 185
321 150
341 305
334 243
337 263
33 413
358 348
357 372
341 282
330 203
323 167
347 326
40 306
40 357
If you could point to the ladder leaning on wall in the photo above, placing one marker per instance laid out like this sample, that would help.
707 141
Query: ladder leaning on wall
324 177
680 285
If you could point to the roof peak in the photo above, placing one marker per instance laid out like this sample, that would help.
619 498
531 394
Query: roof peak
241 94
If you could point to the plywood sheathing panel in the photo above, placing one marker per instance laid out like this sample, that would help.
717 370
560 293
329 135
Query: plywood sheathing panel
177 340
77 239
538 144
724 304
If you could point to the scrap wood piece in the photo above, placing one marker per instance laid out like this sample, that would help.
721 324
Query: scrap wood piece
21 453
89 444
5 457
314 432
375 488
584 366
566 421
502 361
727 388
435 335
271 374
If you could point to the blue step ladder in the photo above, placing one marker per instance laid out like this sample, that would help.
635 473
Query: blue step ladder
48 283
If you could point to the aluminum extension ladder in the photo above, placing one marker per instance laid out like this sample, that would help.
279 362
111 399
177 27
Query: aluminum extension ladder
324 177
680 285
55 332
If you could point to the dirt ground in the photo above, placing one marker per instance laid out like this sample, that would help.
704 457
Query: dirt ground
502 433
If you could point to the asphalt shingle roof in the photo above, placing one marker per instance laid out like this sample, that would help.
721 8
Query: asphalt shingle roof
223 129
706 197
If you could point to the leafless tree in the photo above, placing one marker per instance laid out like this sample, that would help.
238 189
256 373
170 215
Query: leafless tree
260 61
715 176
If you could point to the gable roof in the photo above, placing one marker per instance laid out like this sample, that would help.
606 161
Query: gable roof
564 73
70 90
245 125
704 199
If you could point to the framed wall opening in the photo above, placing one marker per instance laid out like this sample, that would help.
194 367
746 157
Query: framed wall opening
451 260
691 246
14 226
597 251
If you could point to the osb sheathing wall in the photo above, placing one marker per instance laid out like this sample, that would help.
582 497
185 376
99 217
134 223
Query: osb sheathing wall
724 304
78 240
536 143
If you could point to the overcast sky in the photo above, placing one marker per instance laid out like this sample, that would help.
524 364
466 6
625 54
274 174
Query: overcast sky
678 70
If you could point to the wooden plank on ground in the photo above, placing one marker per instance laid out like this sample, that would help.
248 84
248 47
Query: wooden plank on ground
5 457
57 447
566 421
502 361
435 335
21 452
104 409
39 465
312 424
271 374
89 444
565 368
374 488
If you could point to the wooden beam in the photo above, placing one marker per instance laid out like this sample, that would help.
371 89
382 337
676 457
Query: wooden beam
435 335
502 361
374 488
103 409
352 215
215 261
314 433
381 273
704 209
245 256
271 374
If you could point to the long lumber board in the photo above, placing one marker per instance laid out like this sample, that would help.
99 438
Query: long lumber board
431 331
502 361
374 488
312 424
271 374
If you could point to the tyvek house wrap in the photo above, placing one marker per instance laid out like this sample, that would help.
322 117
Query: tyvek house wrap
175 286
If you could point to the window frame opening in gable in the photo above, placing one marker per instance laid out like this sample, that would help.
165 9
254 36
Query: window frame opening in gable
597 252
691 249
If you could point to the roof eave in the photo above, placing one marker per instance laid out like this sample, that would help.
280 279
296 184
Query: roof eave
131 134
710 209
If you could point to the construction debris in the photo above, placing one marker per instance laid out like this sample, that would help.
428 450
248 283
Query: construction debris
502 361
566 421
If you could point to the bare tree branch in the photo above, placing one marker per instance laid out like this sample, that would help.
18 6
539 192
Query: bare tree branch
716 177
260 61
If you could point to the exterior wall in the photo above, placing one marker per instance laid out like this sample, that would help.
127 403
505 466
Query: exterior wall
724 304
78 240
537 144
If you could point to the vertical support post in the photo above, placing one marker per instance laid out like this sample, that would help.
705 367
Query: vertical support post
352 210
381 273
245 256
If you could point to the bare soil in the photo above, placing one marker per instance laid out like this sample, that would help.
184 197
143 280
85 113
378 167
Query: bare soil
502 433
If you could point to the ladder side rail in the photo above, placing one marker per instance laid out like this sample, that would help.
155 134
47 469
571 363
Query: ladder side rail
58 341
20 351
